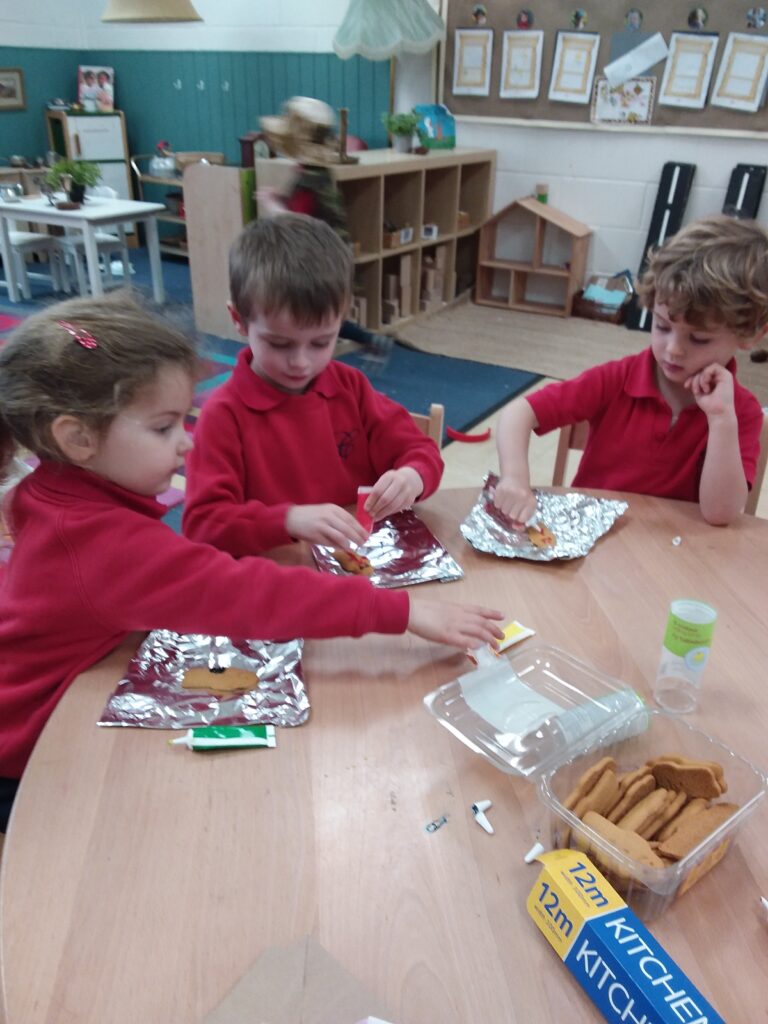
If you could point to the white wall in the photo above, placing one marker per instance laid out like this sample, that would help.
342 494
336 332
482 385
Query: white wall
608 179
298 26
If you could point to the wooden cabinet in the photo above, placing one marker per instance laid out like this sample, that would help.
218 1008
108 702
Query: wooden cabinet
413 221
531 257
169 189
393 200
99 138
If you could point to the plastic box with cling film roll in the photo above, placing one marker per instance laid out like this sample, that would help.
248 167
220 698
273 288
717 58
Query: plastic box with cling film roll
542 714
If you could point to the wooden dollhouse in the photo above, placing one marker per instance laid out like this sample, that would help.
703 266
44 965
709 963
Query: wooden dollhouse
531 257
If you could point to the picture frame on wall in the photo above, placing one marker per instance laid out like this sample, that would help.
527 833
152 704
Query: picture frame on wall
96 88
688 70
521 65
742 75
12 89
573 67
629 103
472 55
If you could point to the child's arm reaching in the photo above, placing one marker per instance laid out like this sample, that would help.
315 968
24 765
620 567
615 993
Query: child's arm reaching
514 496
464 626
324 524
723 486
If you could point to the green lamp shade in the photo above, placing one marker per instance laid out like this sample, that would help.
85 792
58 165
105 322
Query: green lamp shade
380 29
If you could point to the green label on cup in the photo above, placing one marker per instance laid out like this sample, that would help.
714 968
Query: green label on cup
689 628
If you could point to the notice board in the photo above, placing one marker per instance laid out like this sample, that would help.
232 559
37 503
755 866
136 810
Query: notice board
618 33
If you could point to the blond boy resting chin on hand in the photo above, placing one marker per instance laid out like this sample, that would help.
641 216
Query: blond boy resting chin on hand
673 420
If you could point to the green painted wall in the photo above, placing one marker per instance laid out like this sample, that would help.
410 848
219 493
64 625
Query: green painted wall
192 118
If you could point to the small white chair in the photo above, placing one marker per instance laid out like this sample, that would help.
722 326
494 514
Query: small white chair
24 245
72 247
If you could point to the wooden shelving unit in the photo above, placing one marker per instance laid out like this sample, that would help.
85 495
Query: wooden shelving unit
175 242
531 257
406 191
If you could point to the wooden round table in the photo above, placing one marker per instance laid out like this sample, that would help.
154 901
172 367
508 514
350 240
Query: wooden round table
140 881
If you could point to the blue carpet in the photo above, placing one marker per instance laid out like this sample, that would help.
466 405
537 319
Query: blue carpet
469 391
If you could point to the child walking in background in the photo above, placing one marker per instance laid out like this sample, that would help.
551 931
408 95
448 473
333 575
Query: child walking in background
672 421
289 438
99 389
304 132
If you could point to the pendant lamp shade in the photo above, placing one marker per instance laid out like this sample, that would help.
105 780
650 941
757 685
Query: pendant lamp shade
380 29
150 10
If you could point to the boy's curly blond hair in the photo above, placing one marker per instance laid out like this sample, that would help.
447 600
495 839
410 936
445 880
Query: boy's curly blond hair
712 272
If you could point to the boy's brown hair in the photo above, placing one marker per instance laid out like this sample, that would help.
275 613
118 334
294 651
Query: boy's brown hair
290 263
713 271
45 372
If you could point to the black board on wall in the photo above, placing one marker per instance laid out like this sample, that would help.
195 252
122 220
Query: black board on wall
608 19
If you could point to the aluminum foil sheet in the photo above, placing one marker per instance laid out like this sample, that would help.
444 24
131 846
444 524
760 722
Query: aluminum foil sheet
577 521
153 694
402 551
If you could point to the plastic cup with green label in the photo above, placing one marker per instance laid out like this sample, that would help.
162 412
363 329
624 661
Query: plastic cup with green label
684 654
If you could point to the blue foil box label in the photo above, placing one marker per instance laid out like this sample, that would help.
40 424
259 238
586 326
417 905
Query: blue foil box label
626 973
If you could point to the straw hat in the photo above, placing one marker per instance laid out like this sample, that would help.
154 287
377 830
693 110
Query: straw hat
303 131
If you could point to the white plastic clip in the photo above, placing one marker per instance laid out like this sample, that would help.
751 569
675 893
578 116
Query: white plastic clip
479 810
533 853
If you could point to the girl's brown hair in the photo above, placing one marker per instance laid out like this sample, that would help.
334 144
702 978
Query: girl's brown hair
713 271
290 263
45 372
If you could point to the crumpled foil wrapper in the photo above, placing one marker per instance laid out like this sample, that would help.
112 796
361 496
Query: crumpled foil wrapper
577 521
402 551
152 695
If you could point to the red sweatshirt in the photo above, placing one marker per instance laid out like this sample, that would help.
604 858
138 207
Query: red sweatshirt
258 451
92 563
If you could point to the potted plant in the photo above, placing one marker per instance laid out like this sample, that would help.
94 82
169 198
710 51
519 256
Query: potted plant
73 177
401 127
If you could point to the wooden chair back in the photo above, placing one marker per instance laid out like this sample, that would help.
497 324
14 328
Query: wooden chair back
754 495
572 438
431 425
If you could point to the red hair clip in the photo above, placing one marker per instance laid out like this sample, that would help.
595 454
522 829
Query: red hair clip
81 336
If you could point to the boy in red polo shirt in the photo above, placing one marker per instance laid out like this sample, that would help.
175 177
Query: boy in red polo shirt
288 439
672 421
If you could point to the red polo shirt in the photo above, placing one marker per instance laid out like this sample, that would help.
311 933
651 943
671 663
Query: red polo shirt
631 445
259 450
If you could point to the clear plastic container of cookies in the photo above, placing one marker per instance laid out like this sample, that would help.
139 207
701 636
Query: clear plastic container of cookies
542 714
650 890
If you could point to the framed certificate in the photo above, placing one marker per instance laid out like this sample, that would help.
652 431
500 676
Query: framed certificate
521 65
741 77
472 61
688 70
573 68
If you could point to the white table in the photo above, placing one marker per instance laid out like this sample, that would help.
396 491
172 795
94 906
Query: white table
97 212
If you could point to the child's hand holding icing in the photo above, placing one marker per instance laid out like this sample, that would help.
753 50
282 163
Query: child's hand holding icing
324 524
393 491
463 626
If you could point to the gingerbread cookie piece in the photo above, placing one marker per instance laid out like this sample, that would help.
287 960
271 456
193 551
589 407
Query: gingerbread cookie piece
715 766
691 832
353 563
643 813
640 788
541 536
587 781
689 810
674 803
628 843
692 777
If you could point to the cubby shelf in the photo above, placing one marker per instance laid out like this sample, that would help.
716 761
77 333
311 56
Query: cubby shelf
451 189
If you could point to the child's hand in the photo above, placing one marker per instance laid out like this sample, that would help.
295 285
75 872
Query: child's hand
394 490
464 626
712 388
515 500
324 524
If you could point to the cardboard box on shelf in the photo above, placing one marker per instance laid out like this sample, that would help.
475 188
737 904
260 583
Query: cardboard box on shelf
463 220
390 311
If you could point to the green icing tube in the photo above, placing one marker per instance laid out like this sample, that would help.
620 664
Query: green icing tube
226 737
